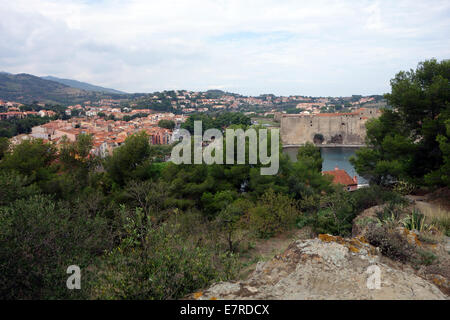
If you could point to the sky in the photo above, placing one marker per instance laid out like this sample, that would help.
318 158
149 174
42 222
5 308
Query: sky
312 48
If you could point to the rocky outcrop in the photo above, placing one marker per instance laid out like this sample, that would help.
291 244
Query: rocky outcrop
438 270
327 267
362 222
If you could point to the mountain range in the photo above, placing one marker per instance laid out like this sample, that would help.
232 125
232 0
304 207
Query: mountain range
27 88
82 85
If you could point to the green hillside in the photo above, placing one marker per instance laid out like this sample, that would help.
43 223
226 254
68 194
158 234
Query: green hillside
82 85
26 88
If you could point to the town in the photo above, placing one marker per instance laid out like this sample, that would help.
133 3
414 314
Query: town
193 151
111 121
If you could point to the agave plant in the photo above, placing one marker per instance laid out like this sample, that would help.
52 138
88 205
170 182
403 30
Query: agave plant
415 221
389 221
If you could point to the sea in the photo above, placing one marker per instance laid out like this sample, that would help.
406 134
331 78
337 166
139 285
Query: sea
332 157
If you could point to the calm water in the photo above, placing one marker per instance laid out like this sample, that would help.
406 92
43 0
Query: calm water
332 157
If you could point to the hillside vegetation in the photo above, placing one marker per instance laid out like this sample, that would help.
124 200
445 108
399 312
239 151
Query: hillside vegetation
82 85
142 228
26 88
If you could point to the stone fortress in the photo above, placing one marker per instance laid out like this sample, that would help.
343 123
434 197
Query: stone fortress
333 129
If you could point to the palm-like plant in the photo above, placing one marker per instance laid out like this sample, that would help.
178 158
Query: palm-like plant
415 221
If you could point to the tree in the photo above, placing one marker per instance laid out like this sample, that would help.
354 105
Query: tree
76 158
4 146
15 186
222 120
231 223
405 143
74 155
336 213
39 240
274 213
151 197
31 158
207 122
442 175
167 124
310 154
127 159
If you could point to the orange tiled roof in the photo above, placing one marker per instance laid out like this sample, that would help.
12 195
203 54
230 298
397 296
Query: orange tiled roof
340 177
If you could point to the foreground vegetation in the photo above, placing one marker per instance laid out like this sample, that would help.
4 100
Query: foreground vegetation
142 228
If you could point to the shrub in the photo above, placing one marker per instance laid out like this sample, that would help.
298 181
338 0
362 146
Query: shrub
15 186
425 257
391 244
274 213
156 263
38 241
231 224
440 219
429 237
305 219
395 246
336 214
404 187
390 215
365 198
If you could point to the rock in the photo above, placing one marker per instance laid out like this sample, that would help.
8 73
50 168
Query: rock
447 244
364 219
327 267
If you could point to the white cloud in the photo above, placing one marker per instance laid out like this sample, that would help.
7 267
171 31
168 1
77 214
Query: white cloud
284 47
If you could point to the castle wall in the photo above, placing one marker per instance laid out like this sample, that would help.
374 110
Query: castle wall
343 128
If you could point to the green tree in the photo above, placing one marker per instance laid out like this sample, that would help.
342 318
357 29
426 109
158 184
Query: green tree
38 241
405 143
4 146
274 213
15 186
75 155
233 227
153 263
32 159
442 175
167 124
310 154
336 214
207 122
127 160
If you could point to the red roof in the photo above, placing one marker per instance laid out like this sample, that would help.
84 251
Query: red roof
341 177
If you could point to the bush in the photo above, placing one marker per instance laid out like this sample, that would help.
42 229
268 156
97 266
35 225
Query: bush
404 187
336 214
168 124
156 263
390 215
426 257
395 246
15 186
38 241
232 225
375 195
391 244
273 214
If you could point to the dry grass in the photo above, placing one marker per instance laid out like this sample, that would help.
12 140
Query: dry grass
436 216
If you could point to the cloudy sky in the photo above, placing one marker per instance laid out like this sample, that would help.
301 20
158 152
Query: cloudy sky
318 48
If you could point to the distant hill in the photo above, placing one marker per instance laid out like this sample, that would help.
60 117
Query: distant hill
214 93
26 88
82 85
